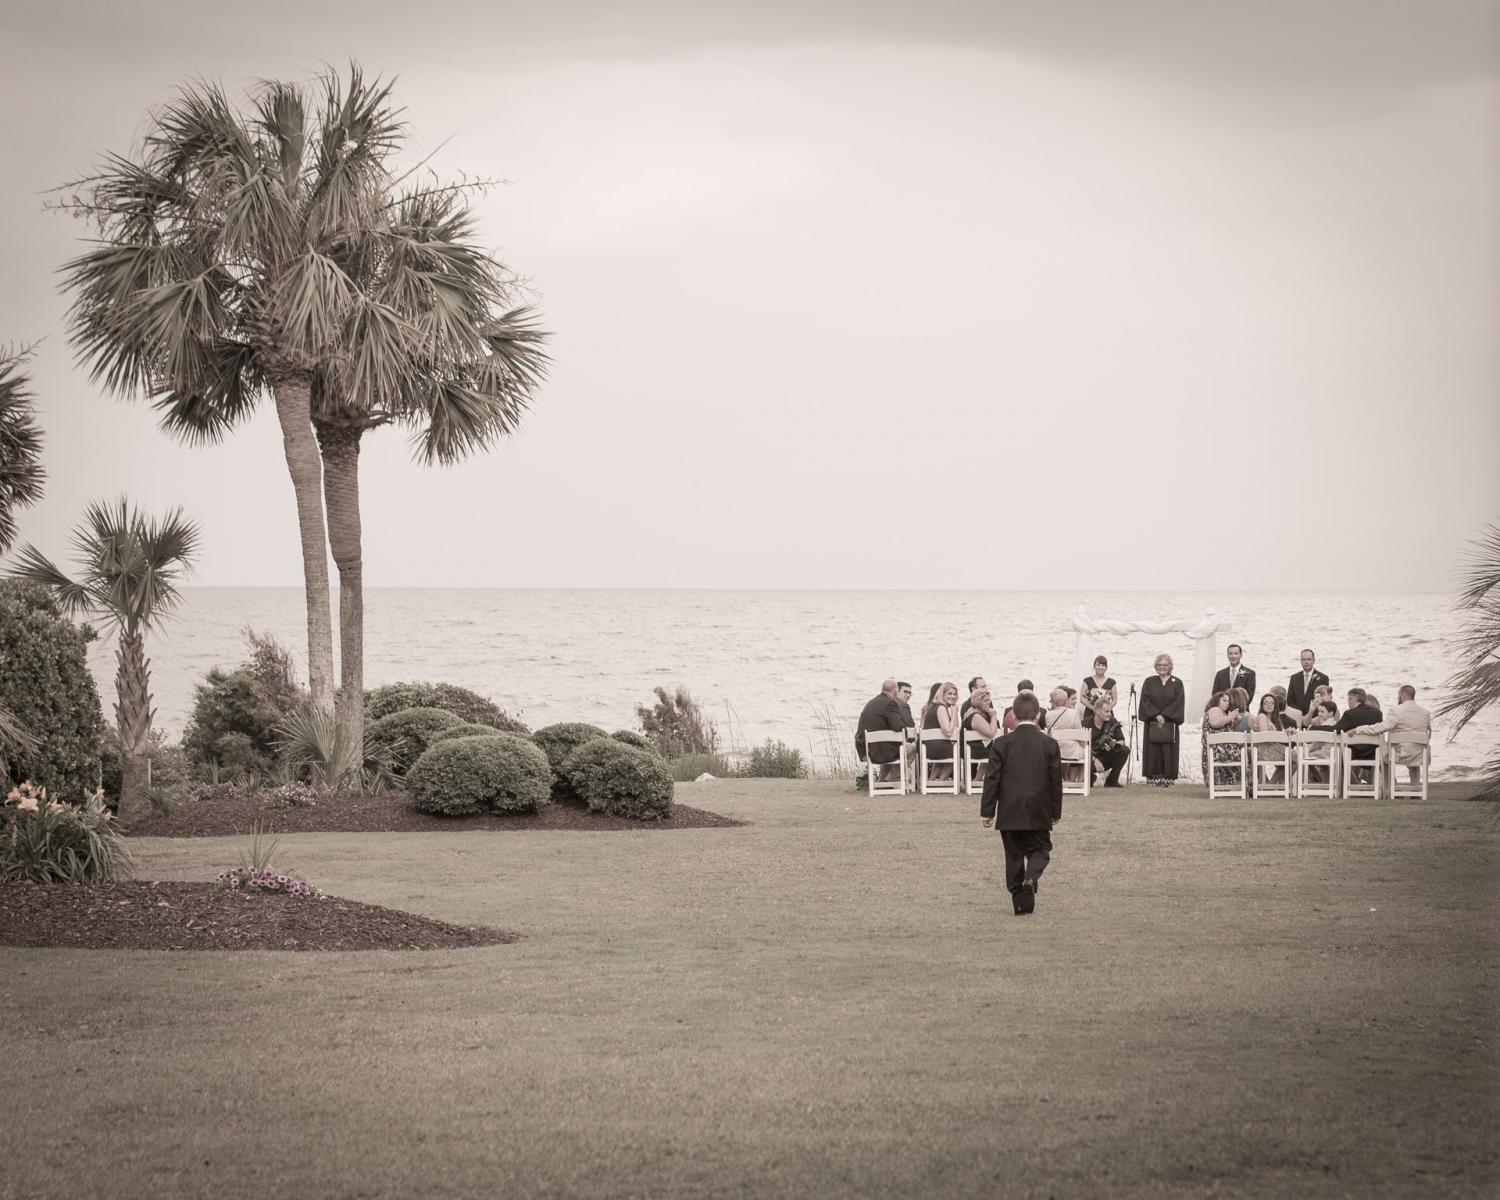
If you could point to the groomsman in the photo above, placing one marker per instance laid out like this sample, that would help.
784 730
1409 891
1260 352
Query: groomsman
1299 690
1236 675
1023 799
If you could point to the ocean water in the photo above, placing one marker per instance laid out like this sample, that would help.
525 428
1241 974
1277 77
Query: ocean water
762 663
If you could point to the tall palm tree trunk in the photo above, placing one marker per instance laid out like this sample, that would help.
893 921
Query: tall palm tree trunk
133 715
294 410
340 446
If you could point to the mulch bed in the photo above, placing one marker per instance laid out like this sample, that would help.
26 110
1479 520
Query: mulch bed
208 916
389 812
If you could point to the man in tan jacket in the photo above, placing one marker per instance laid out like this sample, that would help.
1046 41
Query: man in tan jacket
1408 717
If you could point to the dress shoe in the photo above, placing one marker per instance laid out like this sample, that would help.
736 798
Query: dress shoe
1026 898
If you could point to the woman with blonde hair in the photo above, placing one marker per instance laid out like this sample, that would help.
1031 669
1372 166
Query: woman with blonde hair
1163 708
942 713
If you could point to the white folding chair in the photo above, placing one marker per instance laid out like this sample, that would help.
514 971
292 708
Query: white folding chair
887 787
976 755
1218 791
1401 785
1271 764
1362 775
926 784
1326 743
1084 763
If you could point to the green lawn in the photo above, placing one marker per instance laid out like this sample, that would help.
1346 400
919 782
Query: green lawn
1261 998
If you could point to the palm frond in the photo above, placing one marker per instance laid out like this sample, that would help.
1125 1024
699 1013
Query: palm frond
1483 575
1475 686
21 473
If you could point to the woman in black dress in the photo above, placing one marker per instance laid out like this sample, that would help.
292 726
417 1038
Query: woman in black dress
1097 683
942 713
1163 706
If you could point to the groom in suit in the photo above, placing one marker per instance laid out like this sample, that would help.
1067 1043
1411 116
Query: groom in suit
1235 675
1023 799
1300 688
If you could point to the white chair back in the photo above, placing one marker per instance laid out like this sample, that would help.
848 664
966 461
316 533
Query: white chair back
1402 787
1081 765
1362 775
976 752
887 787
1234 788
926 784
1317 750
1271 763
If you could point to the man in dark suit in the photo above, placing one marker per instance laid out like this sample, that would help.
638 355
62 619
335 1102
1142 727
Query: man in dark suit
1236 675
1359 714
1023 799
1299 689
882 712
903 698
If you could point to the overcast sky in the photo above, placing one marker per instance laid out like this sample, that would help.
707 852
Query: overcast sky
1168 294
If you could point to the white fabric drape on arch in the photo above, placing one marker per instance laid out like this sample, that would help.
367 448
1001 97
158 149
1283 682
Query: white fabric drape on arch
1203 632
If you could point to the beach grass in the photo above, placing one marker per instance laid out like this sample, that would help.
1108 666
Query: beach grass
1261 998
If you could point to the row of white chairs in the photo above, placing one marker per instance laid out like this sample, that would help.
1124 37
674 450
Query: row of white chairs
1282 765
961 771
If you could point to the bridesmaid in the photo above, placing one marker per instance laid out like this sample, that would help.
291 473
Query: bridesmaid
1099 681
1163 705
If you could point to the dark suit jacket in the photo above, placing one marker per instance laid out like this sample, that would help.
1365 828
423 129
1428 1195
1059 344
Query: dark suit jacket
1296 697
883 712
1356 718
1023 783
1247 681
906 718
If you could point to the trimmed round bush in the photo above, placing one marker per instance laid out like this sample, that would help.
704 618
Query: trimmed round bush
409 733
470 730
501 773
559 741
631 738
469 707
623 781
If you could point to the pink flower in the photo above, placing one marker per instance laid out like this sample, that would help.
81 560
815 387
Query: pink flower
27 804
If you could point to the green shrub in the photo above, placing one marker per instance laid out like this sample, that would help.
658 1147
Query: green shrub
775 760
470 730
675 725
469 707
233 730
623 781
631 738
559 741
46 686
687 767
405 736
47 841
501 773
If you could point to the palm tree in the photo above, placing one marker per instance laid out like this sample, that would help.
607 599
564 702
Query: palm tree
219 277
470 374
1476 684
128 571
21 479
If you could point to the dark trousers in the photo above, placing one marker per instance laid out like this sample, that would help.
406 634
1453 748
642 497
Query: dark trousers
1027 852
1114 762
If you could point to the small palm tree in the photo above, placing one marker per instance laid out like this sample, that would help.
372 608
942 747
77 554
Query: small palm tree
129 566
220 277
1476 685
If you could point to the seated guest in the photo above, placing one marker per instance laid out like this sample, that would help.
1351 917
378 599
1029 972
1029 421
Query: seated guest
983 720
1062 715
1324 717
903 698
1357 716
975 684
942 713
1270 719
1239 705
1320 693
1220 717
1111 751
1008 721
1409 717
1098 686
1072 698
1372 701
880 713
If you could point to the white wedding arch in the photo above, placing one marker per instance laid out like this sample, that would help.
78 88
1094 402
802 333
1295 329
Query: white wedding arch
1203 632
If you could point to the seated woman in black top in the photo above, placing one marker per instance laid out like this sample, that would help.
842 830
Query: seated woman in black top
942 713
1098 685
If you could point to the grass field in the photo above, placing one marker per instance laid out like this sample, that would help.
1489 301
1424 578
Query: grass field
1263 998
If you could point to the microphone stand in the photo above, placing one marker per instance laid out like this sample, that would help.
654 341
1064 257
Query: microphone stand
1130 762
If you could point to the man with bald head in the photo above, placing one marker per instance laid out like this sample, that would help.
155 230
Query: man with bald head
882 712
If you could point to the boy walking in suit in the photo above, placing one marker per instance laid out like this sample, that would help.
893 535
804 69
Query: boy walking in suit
1023 799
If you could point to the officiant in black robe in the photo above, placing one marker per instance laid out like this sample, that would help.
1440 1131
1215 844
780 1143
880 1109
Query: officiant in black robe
1162 711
